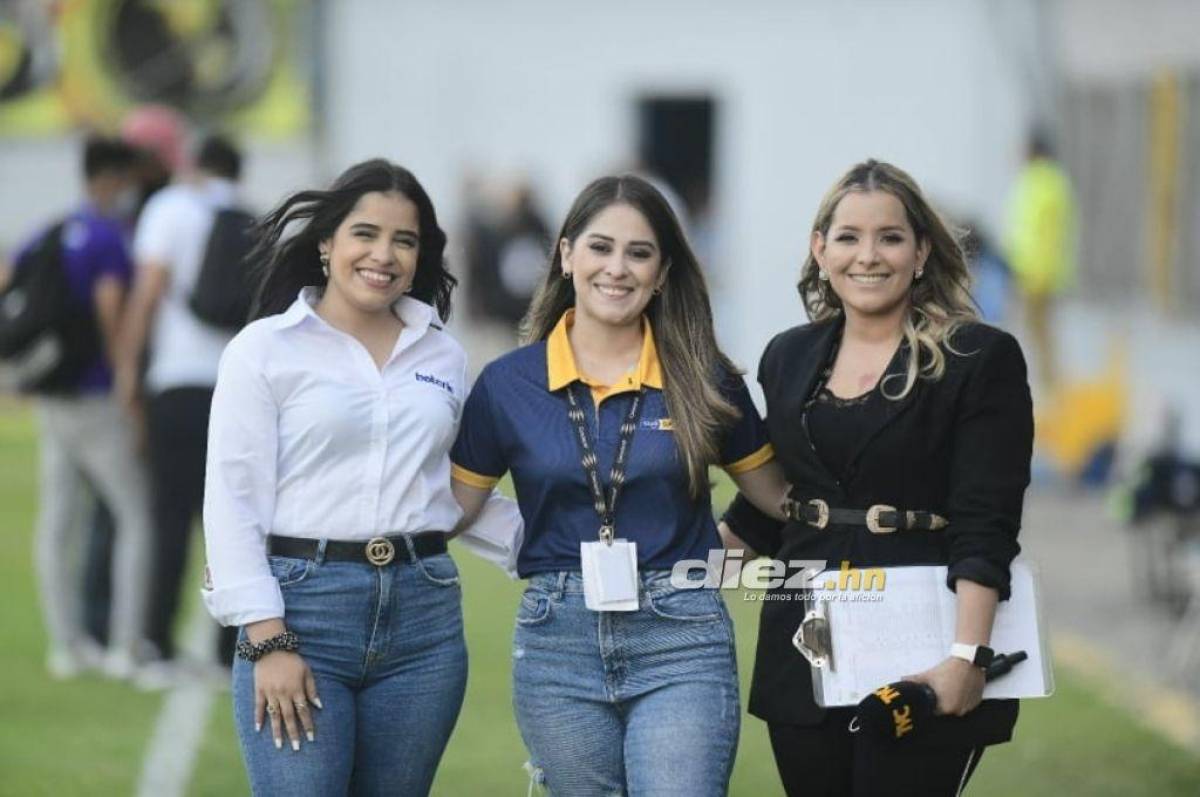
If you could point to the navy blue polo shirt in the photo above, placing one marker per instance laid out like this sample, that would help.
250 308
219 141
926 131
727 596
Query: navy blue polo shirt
515 420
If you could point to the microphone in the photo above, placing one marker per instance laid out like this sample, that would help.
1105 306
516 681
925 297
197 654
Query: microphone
901 710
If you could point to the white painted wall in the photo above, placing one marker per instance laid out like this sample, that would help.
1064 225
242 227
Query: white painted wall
804 90
1126 40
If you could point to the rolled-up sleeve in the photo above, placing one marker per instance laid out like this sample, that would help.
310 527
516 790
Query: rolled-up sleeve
990 468
239 492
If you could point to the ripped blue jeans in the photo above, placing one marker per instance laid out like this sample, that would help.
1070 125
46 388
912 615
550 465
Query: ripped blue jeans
642 703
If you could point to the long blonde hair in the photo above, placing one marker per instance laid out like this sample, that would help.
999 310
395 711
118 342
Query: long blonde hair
680 317
940 301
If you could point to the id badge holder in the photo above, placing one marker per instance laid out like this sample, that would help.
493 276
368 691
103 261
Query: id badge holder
610 582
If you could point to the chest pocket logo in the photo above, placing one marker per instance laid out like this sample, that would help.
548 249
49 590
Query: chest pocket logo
433 380
659 424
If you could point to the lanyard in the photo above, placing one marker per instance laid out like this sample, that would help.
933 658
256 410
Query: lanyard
605 507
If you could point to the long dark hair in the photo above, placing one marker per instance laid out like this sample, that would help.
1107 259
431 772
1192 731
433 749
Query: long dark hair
680 317
289 262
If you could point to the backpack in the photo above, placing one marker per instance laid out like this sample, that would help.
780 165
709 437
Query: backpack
223 293
46 339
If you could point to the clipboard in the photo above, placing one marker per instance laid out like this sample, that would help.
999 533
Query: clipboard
894 621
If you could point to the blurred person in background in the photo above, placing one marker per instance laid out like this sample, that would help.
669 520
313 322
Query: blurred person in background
990 274
159 136
522 251
894 395
328 495
507 248
622 358
1041 248
169 245
86 439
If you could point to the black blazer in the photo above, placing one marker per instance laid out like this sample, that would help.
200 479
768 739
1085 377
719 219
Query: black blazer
959 447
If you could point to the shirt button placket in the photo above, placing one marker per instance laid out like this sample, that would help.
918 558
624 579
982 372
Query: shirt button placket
379 423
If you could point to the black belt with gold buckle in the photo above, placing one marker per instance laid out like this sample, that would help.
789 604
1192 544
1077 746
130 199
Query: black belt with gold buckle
879 518
378 551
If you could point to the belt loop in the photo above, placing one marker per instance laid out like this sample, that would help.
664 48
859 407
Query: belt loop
320 557
408 543
560 585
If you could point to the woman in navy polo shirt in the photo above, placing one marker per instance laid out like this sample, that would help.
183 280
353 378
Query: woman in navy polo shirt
623 681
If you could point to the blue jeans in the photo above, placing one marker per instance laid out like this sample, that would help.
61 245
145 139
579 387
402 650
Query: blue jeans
641 703
386 649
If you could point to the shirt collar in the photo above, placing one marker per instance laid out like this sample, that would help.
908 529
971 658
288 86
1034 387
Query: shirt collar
416 315
561 369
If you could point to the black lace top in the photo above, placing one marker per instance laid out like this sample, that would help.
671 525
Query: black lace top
837 426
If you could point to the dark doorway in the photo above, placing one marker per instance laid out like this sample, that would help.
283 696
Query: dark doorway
676 143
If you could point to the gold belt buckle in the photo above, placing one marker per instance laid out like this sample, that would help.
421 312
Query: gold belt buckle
822 513
873 523
380 551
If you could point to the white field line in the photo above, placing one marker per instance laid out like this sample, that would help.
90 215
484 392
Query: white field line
182 722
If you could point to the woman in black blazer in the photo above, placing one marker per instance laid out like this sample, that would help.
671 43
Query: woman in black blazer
895 395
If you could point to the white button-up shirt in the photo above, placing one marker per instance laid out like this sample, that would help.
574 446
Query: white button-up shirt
308 438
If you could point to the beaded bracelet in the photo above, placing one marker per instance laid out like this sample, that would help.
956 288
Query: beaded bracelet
251 652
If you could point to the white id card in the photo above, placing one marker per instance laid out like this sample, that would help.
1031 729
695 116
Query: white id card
610 581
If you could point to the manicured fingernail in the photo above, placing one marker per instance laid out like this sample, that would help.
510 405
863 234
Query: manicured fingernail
257 727
317 700
312 737
296 745
278 743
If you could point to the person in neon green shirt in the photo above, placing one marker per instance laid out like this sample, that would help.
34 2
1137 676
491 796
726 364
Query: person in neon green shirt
1041 246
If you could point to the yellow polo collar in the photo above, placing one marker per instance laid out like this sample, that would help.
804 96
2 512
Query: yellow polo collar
561 369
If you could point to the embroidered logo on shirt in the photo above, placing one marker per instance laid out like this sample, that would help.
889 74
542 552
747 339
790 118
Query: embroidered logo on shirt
659 424
433 380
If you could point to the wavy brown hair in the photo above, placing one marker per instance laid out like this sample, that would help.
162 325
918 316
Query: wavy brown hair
940 302
680 317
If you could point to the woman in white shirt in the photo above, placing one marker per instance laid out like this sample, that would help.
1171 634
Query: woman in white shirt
328 495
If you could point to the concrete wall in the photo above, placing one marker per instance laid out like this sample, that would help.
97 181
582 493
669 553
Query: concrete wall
804 90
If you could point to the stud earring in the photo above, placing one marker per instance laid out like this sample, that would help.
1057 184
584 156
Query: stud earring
823 275
566 275
325 264
920 273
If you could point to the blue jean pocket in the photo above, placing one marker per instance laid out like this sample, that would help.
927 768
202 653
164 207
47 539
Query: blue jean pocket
696 605
289 570
534 608
439 570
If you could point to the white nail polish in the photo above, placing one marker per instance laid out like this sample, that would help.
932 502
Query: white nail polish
296 745
257 727
279 744
312 737
317 700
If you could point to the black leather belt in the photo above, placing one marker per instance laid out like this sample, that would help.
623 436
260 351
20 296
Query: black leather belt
879 519
378 551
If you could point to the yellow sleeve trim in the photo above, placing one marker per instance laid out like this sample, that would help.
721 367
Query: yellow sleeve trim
756 460
471 478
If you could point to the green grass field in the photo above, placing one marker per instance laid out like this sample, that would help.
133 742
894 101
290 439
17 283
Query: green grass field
86 737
